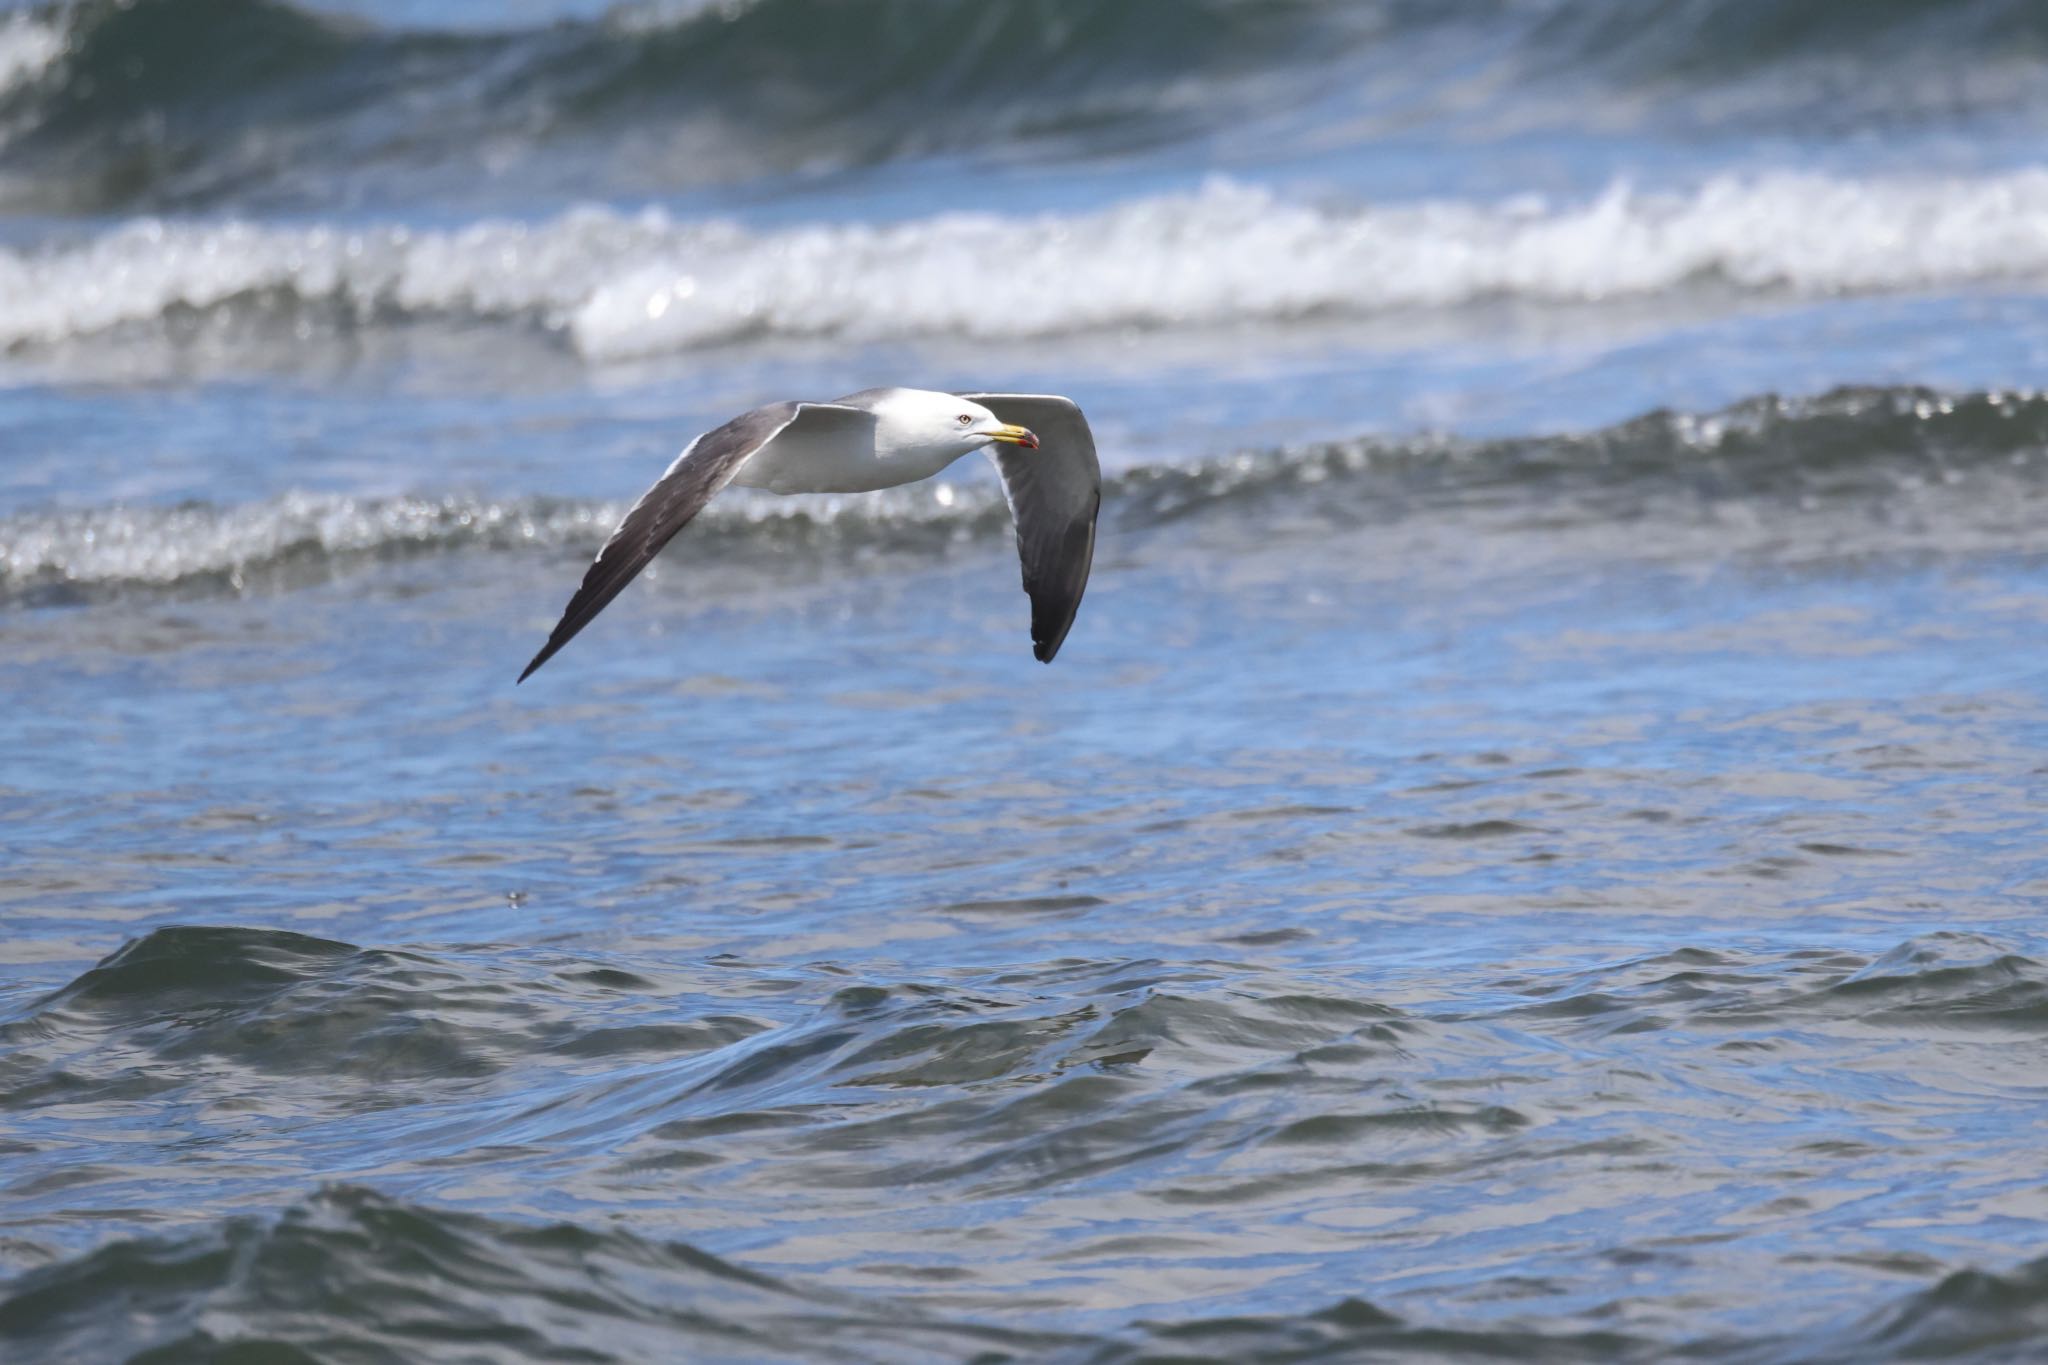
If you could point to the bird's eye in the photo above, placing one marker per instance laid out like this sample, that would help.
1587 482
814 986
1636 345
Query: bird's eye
966 418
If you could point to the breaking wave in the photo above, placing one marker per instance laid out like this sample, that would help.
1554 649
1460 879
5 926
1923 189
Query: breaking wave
617 285
296 538
116 105
1858 470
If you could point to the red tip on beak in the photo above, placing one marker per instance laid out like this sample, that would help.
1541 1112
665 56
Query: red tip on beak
1028 441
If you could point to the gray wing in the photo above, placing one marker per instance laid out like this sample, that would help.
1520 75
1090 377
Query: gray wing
704 468
1055 492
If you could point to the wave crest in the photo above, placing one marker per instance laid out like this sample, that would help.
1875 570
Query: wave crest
1953 472
620 285
85 553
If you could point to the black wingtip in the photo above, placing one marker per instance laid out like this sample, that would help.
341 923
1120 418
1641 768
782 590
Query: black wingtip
538 660
1047 637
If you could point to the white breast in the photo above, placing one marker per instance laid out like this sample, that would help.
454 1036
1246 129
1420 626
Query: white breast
797 462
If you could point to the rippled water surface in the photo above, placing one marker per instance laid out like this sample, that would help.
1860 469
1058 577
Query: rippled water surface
1586 961
1532 849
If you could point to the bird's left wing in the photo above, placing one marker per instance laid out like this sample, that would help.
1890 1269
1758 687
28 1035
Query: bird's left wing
704 468
1055 492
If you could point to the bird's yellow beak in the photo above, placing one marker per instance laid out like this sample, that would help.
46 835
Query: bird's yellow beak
1015 436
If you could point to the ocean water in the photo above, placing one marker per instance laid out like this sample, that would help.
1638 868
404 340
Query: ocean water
1533 849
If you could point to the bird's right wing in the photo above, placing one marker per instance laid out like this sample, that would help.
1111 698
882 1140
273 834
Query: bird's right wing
704 468
1055 492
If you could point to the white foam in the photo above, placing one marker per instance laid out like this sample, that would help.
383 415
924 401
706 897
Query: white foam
163 545
29 46
158 546
656 16
622 285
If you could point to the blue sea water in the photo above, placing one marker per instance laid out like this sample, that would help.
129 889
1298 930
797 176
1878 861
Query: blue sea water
1531 849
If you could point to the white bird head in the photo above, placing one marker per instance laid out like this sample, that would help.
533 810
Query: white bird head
932 420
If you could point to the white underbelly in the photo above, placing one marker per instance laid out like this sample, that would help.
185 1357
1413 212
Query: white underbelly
798 464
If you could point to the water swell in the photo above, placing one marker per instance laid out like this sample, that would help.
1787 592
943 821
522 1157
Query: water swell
188 103
1719 39
184 103
1854 470
619 285
359 1273
353 1274
1222 1090
211 1006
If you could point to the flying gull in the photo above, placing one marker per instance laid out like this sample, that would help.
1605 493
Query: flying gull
879 438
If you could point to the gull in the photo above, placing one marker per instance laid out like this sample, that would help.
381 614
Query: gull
880 438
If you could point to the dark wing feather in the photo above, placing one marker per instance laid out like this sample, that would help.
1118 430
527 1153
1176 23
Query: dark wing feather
1055 493
704 468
